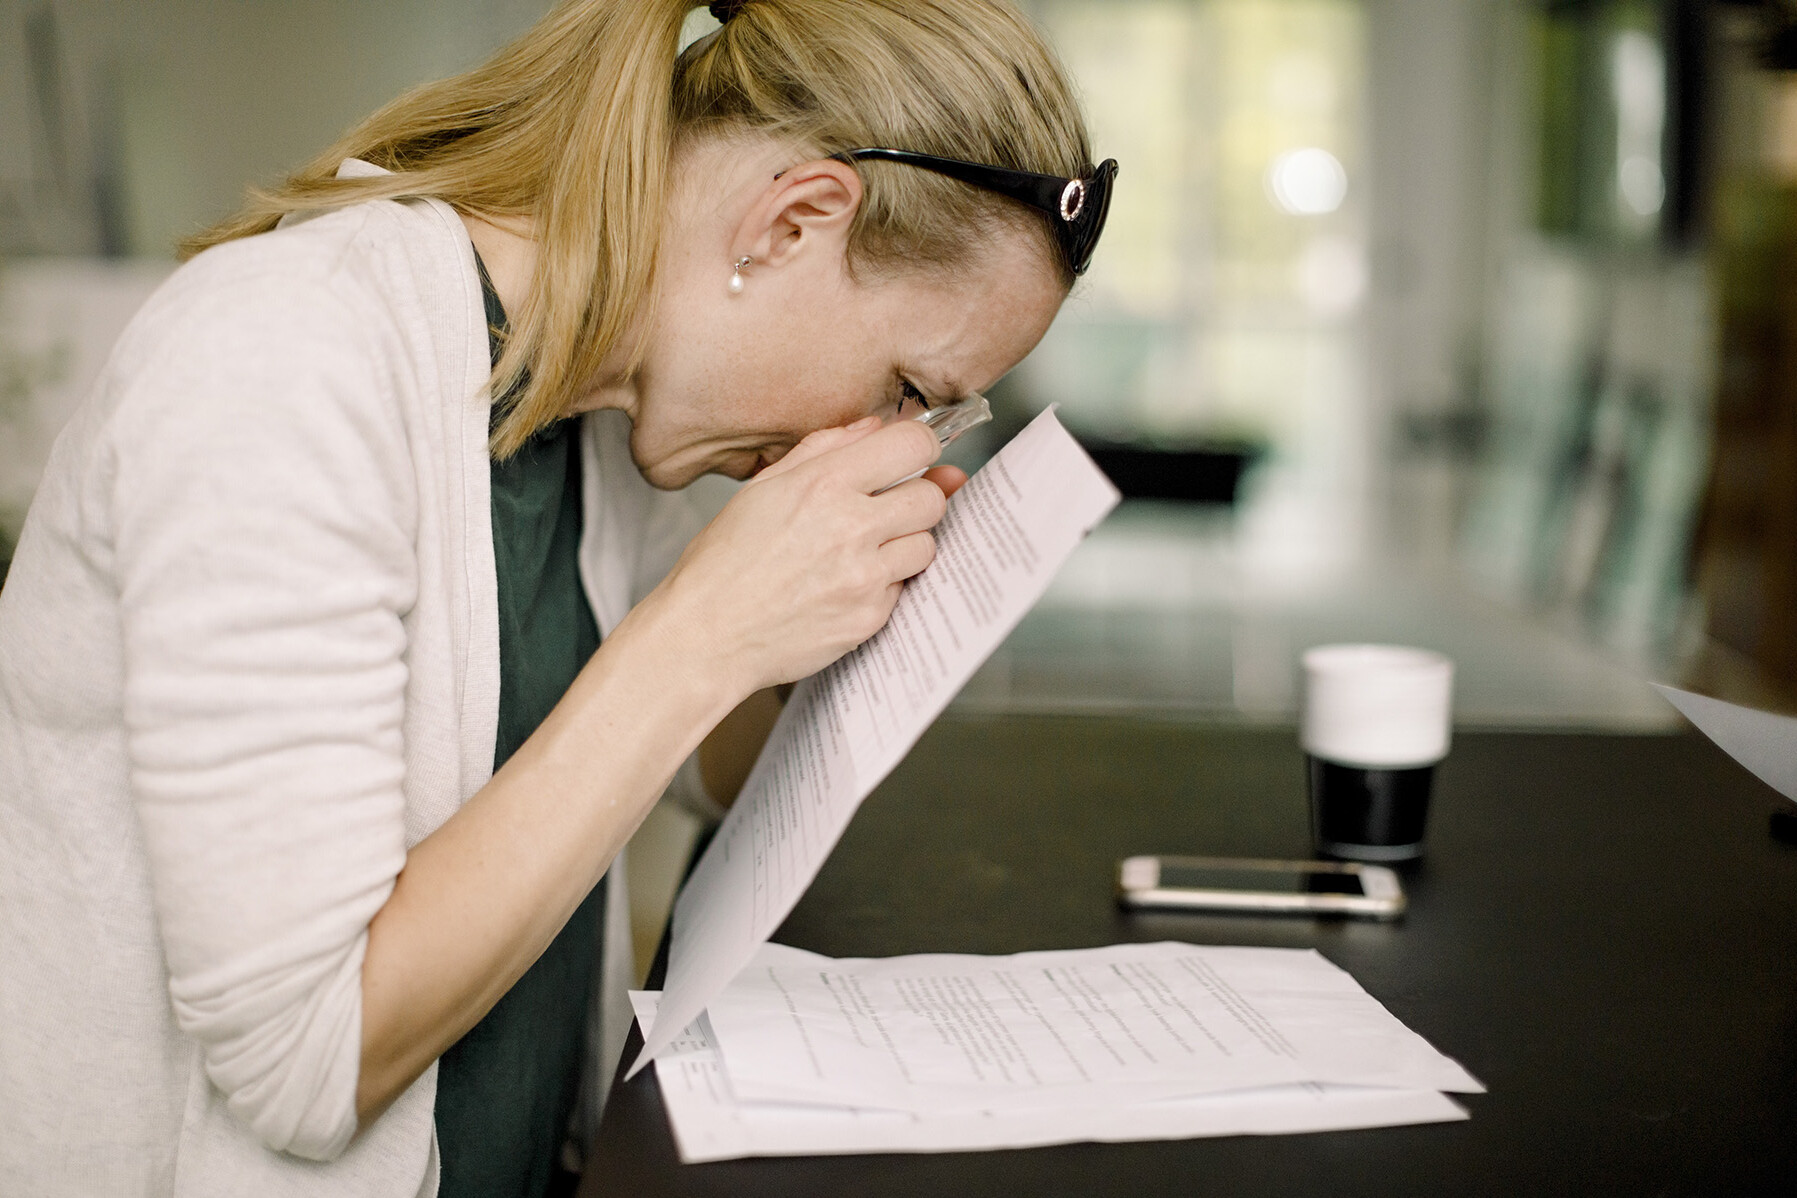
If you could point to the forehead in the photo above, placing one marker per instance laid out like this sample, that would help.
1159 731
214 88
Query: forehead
964 328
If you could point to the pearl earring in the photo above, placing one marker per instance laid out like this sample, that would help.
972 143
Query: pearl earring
736 275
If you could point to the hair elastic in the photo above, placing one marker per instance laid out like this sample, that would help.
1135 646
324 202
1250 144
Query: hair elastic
723 10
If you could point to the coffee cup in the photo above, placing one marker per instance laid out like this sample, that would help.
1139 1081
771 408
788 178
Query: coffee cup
1376 722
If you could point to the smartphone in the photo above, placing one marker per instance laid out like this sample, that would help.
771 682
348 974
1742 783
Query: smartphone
1250 884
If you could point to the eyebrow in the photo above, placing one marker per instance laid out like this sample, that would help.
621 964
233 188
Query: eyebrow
951 392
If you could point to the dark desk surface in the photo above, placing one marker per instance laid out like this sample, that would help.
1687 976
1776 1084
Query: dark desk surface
1603 932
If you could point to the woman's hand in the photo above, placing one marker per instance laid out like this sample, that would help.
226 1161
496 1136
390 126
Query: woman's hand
802 565
806 562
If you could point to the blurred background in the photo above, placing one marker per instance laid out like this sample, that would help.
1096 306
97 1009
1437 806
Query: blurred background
1460 323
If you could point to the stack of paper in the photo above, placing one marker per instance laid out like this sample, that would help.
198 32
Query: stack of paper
806 1055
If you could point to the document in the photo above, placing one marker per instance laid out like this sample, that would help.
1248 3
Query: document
711 1124
1005 535
1765 744
1081 1029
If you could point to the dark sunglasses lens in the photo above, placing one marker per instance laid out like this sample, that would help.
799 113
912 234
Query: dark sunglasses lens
1082 236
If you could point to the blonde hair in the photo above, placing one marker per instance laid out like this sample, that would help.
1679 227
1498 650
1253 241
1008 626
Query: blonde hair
573 126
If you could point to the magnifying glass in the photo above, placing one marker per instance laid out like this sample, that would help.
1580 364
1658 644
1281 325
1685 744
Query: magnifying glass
949 422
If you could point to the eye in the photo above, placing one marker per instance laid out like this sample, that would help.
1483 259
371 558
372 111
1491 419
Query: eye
909 394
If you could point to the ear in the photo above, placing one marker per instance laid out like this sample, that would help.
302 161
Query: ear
806 208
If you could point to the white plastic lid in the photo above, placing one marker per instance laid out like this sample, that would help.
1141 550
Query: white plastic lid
1376 706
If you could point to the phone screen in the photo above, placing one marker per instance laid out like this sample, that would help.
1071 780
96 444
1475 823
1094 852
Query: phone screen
1277 881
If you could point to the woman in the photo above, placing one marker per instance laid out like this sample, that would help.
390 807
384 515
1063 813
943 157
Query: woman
330 688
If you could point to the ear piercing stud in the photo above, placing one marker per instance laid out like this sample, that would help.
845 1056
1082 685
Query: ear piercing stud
736 275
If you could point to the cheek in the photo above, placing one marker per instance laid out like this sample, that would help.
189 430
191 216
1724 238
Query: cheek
802 371
836 364
805 397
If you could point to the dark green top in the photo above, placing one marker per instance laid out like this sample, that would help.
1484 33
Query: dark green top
505 1090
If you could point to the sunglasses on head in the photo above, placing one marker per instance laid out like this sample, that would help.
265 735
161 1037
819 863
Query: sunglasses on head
1075 207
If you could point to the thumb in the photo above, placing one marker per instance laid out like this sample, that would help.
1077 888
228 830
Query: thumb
949 478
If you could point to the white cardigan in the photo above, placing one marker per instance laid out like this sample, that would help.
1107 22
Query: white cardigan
248 658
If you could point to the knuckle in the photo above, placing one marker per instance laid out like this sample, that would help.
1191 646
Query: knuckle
869 523
845 530
878 610
869 577
811 489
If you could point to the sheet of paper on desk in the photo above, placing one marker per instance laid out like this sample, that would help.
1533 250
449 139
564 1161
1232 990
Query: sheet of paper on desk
710 1124
1005 535
1082 1029
1764 743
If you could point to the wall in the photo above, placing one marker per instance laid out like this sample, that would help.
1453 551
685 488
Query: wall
172 106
